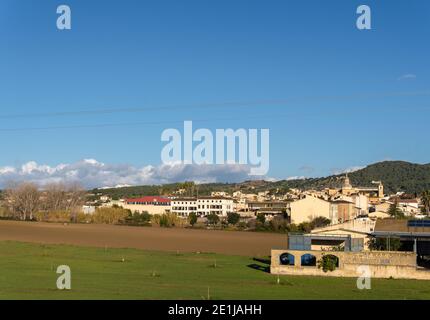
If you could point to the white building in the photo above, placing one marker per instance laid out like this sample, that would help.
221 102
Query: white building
104 198
184 206
202 206
88 209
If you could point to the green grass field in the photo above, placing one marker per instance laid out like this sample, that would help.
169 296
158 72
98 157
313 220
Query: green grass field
28 271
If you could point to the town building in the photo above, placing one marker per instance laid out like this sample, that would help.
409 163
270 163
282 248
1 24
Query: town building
268 208
375 194
302 257
414 235
360 228
202 206
88 209
311 207
150 204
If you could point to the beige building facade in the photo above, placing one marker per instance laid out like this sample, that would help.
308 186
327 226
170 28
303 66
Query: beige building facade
380 264
150 204
310 207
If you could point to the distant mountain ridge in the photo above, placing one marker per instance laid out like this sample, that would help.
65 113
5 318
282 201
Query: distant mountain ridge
395 175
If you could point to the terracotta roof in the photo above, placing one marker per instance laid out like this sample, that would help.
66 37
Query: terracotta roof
149 199
400 200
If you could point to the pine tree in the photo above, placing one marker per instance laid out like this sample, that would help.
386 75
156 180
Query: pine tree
394 211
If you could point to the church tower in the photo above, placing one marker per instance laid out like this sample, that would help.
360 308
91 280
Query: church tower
380 190
347 187
347 183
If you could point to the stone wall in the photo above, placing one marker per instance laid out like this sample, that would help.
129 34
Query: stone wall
382 264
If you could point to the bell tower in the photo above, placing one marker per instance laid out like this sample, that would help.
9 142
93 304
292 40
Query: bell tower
347 183
380 190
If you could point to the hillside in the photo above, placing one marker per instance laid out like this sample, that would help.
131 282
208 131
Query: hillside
395 175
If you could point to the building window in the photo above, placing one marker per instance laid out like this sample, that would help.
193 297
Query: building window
286 259
308 260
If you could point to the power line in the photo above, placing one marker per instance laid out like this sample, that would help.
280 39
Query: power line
103 125
138 123
273 102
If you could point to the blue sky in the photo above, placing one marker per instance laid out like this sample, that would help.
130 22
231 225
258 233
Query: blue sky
333 97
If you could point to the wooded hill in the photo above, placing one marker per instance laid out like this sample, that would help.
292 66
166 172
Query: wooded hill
395 175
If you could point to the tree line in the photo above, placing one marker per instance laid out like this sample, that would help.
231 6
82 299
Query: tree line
25 200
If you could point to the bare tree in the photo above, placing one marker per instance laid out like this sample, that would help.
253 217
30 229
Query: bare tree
60 197
54 197
23 199
75 199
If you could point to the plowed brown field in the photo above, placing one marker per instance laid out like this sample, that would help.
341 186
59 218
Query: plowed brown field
147 238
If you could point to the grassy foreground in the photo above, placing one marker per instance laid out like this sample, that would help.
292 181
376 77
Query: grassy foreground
28 271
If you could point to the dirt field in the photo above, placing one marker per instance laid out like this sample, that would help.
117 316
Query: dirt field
148 238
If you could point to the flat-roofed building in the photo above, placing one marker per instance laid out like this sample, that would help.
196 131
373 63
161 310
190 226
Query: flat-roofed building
269 208
218 205
150 204
183 207
202 206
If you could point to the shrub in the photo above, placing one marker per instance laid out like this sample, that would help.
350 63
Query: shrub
192 218
241 225
5 213
138 219
83 218
261 218
213 219
168 220
110 215
328 262
53 216
233 218
293 228
279 223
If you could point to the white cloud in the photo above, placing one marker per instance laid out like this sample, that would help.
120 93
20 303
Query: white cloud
91 173
337 171
7 170
408 76
296 178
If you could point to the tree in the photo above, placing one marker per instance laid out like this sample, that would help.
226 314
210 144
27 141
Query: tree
305 227
320 222
188 187
279 223
23 200
213 218
233 218
75 199
425 201
109 215
261 217
137 219
192 218
394 210
58 197
54 198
